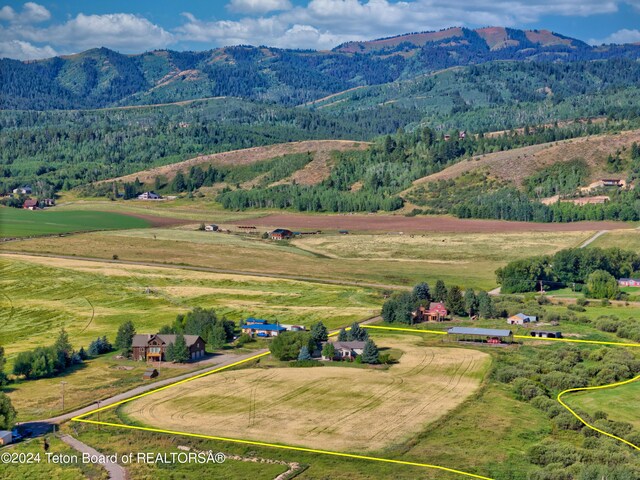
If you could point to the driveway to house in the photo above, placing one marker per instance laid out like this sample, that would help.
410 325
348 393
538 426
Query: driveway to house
40 427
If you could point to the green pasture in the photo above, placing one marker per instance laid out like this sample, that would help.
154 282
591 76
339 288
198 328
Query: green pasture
15 222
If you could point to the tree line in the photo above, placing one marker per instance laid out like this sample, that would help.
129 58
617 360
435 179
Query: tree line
593 269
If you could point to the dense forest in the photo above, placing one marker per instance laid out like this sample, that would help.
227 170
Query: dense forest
62 150
370 181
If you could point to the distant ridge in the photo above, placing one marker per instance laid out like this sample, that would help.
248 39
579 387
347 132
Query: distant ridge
100 77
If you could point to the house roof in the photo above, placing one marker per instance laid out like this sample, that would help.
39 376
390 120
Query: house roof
354 345
30 203
271 327
523 316
281 231
629 280
142 339
488 332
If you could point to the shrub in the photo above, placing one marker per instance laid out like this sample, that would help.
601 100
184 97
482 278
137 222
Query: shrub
526 389
576 308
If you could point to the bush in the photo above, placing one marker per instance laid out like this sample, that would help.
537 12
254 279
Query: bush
566 421
244 339
526 389
583 302
576 308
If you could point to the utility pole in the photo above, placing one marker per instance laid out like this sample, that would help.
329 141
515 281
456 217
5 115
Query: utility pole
63 384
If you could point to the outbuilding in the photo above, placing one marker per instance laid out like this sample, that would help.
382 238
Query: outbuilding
521 319
545 334
484 335
6 437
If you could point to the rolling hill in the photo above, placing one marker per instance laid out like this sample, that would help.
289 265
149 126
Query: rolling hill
515 166
312 173
102 78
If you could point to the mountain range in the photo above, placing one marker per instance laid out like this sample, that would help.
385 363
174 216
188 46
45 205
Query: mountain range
104 78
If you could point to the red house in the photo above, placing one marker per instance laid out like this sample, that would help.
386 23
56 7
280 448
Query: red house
281 234
629 282
30 204
436 312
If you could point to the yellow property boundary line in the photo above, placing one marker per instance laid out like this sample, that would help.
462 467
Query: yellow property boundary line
81 418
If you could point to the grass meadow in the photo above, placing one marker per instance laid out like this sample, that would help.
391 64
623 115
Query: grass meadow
15 222
619 403
469 260
91 299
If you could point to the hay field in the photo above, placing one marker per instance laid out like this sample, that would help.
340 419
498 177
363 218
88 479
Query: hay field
442 248
469 260
41 295
625 239
336 408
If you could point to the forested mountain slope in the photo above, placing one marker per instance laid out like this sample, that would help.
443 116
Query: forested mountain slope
101 77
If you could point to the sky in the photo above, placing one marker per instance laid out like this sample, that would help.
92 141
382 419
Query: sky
33 30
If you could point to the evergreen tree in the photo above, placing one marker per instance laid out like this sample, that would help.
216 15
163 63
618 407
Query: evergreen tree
63 348
180 349
470 302
357 333
455 302
319 333
124 338
485 305
179 184
169 352
370 353
343 336
422 292
304 354
440 293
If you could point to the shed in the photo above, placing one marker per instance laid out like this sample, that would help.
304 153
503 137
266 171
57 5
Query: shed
487 335
521 319
5 437
211 228
545 334
150 373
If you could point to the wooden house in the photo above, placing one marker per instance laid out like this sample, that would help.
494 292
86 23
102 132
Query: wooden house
152 348
281 234
437 312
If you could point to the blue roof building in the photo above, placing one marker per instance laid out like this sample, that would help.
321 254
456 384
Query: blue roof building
263 329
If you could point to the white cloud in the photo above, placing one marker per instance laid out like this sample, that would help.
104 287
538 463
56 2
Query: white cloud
258 6
317 24
25 50
120 31
115 30
31 13
621 36
7 13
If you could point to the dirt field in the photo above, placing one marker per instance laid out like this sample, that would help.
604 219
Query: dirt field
336 408
396 223
515 165
244 157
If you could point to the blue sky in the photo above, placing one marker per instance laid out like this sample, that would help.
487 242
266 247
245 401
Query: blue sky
30 30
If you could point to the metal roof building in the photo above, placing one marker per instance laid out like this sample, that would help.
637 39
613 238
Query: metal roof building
486 332
488 335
